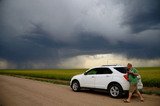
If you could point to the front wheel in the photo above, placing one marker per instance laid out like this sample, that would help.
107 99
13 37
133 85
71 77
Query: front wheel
115 90
75 86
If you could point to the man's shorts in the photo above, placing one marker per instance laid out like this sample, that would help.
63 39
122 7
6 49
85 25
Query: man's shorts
133 87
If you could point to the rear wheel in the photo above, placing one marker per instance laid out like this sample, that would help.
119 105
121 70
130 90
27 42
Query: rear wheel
115 90
75 86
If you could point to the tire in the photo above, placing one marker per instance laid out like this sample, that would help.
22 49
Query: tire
115 90
75 86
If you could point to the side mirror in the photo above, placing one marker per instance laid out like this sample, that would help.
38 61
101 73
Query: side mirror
85 73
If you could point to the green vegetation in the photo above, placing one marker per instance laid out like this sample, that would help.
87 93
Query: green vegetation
58 74
150 92
150 75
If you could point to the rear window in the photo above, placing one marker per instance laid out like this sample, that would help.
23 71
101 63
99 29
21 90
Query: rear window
121 69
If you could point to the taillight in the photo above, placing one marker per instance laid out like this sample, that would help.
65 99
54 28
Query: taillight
126 77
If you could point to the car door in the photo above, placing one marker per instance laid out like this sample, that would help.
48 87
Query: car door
89 78
103 78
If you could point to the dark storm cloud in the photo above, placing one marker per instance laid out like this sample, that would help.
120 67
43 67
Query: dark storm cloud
31 47
142 15
49 31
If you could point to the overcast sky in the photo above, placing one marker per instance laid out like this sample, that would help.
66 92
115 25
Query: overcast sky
53 33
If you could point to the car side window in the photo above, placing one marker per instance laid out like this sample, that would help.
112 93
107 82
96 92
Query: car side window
92 72
121 69
107 71
104 71
99 71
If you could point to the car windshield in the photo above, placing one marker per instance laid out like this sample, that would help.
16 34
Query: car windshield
121 69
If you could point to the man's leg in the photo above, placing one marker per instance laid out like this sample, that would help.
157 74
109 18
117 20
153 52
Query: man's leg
129 97
139 94
131 90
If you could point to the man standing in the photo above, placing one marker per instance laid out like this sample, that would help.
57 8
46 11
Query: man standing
132 75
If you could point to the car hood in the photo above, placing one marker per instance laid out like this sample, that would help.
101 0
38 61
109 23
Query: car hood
77 76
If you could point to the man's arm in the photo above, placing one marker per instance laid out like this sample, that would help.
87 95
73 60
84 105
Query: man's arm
134 72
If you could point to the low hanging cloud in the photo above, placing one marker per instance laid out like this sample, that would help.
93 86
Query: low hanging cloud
45 32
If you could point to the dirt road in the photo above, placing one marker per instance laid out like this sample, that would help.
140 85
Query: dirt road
24 92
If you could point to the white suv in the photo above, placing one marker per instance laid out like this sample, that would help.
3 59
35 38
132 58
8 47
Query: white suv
111 78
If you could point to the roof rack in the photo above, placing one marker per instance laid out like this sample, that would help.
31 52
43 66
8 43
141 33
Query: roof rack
112 65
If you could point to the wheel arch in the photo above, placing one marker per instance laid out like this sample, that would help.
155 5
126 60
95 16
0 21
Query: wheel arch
74 81
114 82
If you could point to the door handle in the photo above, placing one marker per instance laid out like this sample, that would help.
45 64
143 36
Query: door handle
92 76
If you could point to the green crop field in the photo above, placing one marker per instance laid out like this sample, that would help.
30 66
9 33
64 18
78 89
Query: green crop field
59 74
150 75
